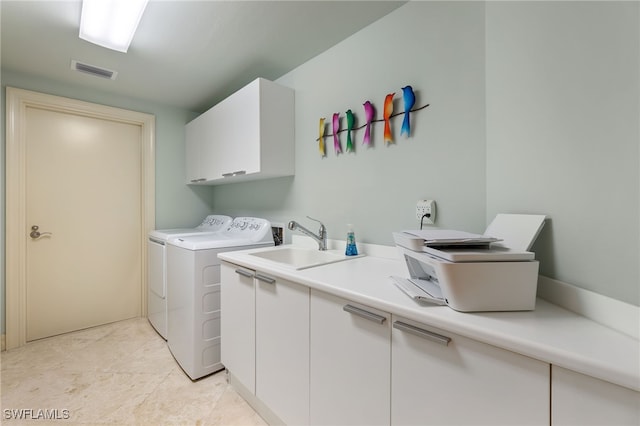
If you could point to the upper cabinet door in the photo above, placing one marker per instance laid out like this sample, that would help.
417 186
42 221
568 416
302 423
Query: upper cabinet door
194 134
236 133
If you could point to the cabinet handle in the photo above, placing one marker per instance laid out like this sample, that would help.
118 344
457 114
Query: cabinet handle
244 273
420 332
265 279
364 314
236 173
198 180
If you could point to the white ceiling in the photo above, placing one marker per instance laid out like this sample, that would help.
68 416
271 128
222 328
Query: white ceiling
189 54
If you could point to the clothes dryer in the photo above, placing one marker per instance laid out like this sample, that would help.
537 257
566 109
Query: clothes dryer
157 269
193 291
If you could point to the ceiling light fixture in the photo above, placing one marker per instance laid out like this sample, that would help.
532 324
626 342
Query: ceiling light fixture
111 23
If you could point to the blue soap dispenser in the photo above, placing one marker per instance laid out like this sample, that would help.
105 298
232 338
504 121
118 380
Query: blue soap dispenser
351 250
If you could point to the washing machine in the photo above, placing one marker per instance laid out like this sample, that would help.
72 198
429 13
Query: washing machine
193 291
157 270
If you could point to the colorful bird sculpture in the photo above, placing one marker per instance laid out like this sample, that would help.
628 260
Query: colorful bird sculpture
369 113
409 101
321 138
350 121
388 110
336 129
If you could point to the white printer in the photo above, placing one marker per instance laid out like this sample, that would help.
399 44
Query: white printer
473 273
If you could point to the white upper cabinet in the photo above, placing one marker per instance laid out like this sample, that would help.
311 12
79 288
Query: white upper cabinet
247 136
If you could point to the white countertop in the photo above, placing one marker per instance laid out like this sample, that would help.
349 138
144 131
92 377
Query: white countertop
549 333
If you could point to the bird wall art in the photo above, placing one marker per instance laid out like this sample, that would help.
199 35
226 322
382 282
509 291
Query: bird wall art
321 138
336 129
350 121
369 115
388 110
409 99
408 103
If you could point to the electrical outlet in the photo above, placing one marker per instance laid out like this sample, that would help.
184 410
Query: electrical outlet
426 211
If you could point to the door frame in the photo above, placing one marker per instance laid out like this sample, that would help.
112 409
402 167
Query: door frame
17 102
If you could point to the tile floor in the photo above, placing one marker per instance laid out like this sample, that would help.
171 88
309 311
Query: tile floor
116 374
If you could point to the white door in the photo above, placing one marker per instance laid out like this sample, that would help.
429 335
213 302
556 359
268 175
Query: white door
83 183
83 186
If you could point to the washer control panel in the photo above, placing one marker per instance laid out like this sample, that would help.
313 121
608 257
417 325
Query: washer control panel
215 222
252 228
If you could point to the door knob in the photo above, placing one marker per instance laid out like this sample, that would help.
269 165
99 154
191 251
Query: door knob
35 234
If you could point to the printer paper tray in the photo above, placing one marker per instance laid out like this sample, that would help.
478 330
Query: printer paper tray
420 290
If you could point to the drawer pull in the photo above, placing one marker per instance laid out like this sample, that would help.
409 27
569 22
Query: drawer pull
364 314
244 273
265 279
420 332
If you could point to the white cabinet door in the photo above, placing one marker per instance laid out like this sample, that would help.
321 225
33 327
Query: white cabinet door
582 400
236 133
194 137
437 381
238 349
282 348
350 363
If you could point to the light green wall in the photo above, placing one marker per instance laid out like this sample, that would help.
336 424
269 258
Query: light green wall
439 50
536 113
563 135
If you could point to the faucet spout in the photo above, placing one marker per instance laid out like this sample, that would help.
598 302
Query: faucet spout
320 238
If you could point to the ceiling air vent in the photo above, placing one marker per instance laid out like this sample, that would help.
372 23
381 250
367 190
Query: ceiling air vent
93 70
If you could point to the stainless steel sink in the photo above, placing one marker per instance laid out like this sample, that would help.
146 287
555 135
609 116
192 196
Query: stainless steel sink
301 258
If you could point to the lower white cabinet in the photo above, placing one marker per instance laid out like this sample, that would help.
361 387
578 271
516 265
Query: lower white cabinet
265 339
237 328
350 363
582 400
309 357
439 378
282 348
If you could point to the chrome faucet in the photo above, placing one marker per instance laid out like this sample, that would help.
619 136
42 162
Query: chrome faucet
321 238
